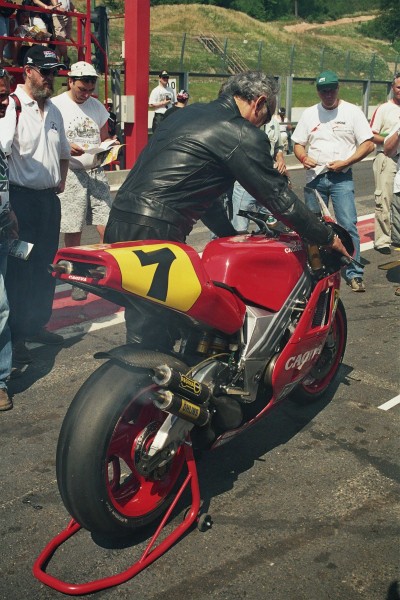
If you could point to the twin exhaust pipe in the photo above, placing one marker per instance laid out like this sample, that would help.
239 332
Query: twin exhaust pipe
182 396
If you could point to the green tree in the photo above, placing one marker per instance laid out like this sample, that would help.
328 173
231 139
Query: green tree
115 5
387 25
253 8
275 9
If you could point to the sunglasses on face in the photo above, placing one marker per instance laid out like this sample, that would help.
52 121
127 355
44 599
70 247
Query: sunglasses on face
86 79
327 90
167 78
45 72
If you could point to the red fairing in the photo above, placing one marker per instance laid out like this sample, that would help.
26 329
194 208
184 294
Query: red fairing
305 346
216 307
263 270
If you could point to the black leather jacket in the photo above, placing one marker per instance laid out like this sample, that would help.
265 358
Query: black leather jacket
193 158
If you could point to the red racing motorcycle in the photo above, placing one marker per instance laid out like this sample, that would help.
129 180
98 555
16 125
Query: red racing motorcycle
256 318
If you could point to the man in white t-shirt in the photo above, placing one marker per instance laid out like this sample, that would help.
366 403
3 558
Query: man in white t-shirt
87 197
385 119
161 98
336 135
392 149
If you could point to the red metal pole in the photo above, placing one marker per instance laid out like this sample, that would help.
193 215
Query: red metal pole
88 47
137 49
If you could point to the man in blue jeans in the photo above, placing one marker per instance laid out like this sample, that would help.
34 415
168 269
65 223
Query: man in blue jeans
8 230
337 135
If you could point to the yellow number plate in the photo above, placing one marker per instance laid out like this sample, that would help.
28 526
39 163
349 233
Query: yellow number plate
160 272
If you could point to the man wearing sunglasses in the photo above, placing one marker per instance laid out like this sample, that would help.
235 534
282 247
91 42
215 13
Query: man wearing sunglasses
33 136
161 98
329 138
192 160
87 197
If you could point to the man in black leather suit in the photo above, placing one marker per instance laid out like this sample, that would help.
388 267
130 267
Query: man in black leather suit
192 159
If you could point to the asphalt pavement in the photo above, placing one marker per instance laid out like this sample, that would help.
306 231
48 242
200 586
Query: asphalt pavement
305 505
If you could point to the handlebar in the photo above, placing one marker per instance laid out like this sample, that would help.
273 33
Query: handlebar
273 227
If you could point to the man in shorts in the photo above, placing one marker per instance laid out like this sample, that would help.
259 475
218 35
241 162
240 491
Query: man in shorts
63 28
87 198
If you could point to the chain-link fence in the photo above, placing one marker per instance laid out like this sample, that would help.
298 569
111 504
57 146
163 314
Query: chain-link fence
208 53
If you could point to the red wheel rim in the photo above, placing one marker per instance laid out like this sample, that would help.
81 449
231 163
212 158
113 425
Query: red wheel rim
132 494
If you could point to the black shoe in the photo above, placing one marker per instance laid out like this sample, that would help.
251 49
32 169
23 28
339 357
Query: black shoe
46 337
384 250
21 354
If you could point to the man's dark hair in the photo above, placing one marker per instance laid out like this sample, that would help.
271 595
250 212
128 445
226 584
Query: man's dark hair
250 85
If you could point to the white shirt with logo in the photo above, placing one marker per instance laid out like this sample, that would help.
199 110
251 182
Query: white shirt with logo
161 93
331 134
385 118
83 123
35 145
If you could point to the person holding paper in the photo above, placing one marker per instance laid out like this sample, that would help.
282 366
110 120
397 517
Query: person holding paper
329 138
87 197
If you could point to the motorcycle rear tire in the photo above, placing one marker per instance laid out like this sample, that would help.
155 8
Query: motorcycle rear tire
110 423
315 387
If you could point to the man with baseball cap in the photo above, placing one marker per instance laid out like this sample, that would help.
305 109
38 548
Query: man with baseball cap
32 134
161 98
182 99
87 197
337 135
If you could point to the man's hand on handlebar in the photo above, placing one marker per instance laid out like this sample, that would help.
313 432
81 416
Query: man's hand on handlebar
337 245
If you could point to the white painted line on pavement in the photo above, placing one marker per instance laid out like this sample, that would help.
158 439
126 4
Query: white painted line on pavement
366 246
390 403
366 217
90 326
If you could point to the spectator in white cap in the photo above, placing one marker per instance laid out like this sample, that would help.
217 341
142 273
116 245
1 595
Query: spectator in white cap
161 98
182 99
87 198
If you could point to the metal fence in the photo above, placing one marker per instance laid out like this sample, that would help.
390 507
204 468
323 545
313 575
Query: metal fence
295 92
207 53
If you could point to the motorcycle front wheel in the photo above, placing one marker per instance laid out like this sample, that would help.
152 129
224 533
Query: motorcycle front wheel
110 424
326 368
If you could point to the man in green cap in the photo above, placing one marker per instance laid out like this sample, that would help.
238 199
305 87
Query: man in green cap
329 138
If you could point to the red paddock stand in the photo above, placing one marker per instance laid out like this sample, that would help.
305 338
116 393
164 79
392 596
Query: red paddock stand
150 554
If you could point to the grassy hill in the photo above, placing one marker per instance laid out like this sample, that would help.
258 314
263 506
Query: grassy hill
272 47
